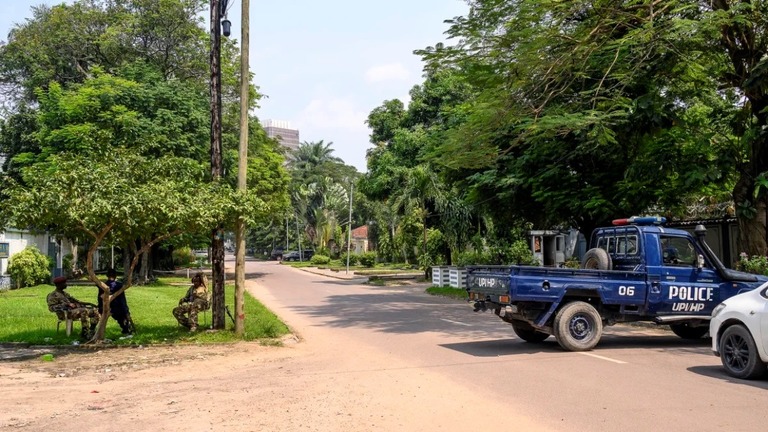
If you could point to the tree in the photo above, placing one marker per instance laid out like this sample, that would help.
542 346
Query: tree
119 197
586 110
319 190
404 167
62 43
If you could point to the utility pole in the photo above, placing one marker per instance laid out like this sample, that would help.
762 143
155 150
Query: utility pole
349 228
242 168
217 241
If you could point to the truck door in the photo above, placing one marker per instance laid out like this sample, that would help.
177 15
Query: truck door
678 286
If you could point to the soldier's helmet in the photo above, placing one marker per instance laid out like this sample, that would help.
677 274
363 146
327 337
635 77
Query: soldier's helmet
60 281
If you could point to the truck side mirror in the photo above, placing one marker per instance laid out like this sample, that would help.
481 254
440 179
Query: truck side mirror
700 262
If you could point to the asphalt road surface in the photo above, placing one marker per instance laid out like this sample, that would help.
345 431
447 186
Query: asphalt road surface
637 379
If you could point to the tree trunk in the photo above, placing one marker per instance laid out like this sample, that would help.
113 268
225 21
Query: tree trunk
217 265
752 233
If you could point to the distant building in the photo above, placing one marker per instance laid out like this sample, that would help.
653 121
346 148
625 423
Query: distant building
282 130
360 240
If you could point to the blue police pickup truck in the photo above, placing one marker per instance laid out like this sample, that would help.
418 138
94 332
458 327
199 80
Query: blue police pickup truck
636 270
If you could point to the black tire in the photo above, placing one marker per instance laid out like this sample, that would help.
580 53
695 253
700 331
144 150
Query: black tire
596 259
578 326
685 331
527 333
738 354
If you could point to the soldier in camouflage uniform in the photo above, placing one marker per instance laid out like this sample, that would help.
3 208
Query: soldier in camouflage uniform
65 306
194 301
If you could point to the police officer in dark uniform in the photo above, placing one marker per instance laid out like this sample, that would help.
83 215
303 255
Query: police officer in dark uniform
118 307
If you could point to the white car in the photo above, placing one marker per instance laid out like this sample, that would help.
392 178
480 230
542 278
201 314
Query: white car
739 329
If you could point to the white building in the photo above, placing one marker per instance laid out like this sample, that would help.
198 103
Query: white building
284 133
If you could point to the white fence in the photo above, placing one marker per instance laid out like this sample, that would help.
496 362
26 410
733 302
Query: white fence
440 276
455 277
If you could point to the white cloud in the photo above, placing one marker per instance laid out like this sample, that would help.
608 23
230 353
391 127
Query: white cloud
387 72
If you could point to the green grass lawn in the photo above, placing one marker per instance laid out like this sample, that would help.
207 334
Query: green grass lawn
338 265
446 291
24 317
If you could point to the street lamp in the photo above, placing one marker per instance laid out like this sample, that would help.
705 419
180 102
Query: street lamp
226 25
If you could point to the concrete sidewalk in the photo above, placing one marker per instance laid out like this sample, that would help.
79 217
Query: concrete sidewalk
341 274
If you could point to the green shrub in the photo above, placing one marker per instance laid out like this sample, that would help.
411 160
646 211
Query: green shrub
756 264
368 259
68 264
517 253
320 259
183 257
29 268
354 259
466 258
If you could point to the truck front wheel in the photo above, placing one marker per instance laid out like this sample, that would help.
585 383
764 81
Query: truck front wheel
578 326
527 333
685 331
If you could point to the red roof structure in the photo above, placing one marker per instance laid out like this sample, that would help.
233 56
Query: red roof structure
360 232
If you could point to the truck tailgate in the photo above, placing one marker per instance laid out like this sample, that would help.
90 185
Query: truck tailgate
492 280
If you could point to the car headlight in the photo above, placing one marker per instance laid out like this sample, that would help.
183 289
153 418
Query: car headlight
719 308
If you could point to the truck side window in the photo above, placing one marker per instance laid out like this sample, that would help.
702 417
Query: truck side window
678 251
627 245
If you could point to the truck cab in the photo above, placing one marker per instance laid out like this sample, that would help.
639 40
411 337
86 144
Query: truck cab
684 276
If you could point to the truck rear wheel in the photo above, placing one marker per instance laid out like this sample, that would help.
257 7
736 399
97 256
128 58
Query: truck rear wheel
685 331
527 333
596 259
578 326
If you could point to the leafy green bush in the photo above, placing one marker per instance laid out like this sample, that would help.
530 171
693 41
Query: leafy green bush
320 259
517 253
29 268
756 264
472 257
368 259
183 257
67 264
354 259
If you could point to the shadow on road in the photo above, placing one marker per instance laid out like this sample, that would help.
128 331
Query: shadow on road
503 347
718 372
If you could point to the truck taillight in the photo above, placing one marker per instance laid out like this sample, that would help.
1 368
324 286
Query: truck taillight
504 299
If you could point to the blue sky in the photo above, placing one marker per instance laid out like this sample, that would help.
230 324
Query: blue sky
324 65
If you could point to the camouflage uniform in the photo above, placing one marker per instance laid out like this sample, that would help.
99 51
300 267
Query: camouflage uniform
59 302
194 301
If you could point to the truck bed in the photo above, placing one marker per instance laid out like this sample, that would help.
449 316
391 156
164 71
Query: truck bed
545 284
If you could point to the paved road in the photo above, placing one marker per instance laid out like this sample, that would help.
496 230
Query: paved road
638 379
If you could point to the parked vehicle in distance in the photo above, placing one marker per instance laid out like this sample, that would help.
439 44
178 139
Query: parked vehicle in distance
277 254
201 253
739 330
305 255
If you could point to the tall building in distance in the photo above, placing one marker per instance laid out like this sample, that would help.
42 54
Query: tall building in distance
282 130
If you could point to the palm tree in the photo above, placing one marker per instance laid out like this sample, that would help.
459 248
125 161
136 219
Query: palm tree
310 157
419 187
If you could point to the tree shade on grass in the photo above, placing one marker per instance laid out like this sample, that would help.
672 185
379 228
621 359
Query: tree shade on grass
26 318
